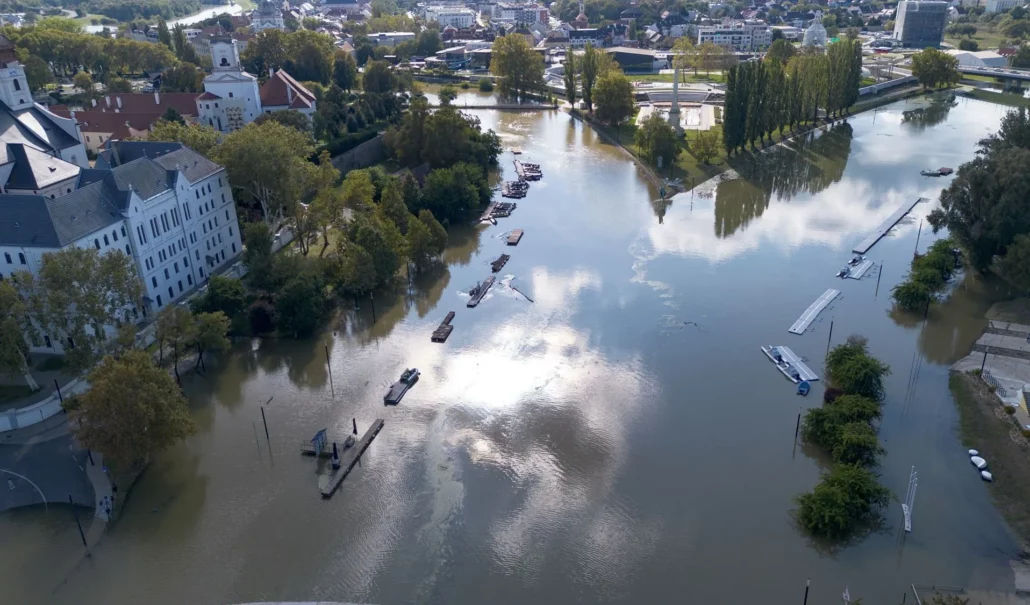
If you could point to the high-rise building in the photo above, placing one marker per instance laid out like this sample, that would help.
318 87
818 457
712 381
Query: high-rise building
920 24
737 36
1000 6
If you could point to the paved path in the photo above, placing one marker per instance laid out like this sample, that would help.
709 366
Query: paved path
56 467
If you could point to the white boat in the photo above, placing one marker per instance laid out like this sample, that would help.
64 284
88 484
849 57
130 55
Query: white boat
986 476
978 462
974 453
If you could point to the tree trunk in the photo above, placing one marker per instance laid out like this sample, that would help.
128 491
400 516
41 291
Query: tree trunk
175 365
33 385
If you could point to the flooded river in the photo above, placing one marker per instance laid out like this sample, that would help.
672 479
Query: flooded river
589 446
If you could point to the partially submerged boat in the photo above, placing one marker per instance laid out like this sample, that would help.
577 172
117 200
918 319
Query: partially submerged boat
803 388
408 378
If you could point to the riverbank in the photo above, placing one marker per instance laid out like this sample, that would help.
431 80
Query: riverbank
986 427
690 172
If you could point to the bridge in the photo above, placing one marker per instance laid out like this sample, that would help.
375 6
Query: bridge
1002 73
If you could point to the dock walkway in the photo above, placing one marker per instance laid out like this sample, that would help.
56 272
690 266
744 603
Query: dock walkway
860 269
329 483
788 360
813 311
444 330
481 292
866 244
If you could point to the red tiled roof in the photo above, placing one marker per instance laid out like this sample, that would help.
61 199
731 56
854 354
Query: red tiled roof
207 96
274 92
109 122
183 102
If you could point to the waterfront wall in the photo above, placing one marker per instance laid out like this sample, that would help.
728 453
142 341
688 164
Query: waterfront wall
362 156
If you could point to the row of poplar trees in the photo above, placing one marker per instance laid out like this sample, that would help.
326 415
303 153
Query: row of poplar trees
769 95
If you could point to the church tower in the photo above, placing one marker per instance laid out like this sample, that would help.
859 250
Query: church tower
224 54
14 86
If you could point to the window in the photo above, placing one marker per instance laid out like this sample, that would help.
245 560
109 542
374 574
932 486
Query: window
17 85
230 94
166 273
46 339
107 242
201 271
87 138
71 343
204 227
216 221
176 267
7 257
226 212
197 253
114 234
21 258
208 242
180 285
189 279
153 280
123 230
198 193
96 243
186 261
230 231
128 251
219 181
216 105
219 238
171 293
186 211
158 301
234 248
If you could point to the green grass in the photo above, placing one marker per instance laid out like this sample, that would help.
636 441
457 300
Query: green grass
88 19
867 82
977 78
986 38
1001 98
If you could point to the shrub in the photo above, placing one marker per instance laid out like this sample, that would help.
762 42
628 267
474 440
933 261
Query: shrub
1010 410
486 85
465 85
847 497
262 317
831 394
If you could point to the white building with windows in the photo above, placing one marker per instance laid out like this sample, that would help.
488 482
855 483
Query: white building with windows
1000 6
736 35
232 97
164 205
267 16
457 16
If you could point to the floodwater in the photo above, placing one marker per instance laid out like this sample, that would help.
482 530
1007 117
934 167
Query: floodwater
589 446
197 17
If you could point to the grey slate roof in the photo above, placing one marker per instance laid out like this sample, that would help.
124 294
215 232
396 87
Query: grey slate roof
170 156
25 221
84 211
144 176
34 169
33 126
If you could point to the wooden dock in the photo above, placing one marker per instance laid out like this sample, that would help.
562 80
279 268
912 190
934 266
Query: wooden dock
329 483
498 264
886 226
515 237
480 292
444 330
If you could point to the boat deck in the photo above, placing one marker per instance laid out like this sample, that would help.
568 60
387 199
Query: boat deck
329 484
396 392
790 359
860 269
515 237
813 311
478 296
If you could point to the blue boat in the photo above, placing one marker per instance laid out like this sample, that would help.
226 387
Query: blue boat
804 387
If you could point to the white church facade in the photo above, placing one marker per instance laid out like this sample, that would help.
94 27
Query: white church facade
232 97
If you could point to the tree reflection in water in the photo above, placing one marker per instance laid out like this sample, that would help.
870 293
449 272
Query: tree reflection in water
808 164
933 114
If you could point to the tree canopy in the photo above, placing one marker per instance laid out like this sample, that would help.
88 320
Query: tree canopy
613 97
655 138
520 69
934 68
200 138
132 410
852 369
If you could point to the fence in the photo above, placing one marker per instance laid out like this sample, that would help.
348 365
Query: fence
40 411
875 89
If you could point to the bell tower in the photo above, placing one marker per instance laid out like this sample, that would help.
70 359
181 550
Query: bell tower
224 54
14 86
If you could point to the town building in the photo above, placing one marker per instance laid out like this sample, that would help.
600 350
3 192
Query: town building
1000 6
126 115
529 12
459 17
26 122
164 205
736 35
815 35
267 16
232 98
920 23
390 39
578 38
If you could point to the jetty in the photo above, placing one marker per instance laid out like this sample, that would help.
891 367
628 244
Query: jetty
527 171
865 245
515 237
514 189
813 311
502 209
789 364
329 483
860 269
399 388
479 291
498 264
444 330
